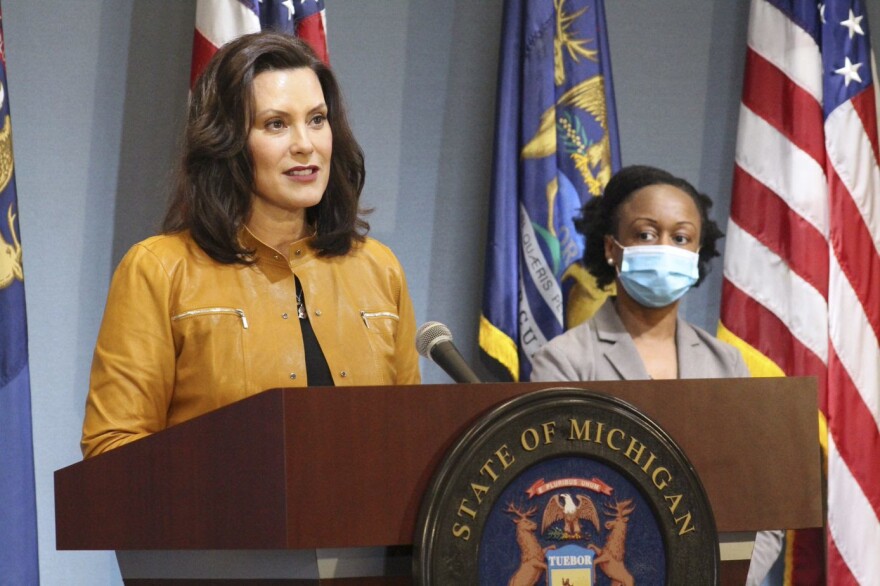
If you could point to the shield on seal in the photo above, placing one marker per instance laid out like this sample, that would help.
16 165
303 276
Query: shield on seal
571 565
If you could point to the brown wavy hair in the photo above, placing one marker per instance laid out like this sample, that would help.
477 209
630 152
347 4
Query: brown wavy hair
213 189
600 216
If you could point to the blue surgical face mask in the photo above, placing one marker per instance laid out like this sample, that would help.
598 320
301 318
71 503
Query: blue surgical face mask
657 275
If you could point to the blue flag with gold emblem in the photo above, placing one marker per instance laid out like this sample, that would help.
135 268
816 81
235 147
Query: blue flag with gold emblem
18 510
556 147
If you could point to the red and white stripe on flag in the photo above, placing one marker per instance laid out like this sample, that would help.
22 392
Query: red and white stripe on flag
220 21
312 28
217 23
801 291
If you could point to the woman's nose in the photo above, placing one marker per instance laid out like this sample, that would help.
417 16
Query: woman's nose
300 141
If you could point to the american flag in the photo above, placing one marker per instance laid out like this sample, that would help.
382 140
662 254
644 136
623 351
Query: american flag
220 21
801 292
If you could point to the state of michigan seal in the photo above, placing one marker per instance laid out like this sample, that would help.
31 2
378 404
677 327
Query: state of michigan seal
565 487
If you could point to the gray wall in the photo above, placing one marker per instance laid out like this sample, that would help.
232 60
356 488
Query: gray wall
98 87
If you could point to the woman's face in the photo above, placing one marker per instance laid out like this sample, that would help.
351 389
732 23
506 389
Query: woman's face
657 214
290 143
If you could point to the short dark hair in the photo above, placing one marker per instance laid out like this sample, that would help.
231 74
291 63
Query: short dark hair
600 216
214 185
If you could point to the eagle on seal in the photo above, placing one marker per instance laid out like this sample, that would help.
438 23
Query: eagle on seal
562 506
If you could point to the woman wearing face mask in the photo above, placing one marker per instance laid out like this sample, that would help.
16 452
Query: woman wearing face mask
650 234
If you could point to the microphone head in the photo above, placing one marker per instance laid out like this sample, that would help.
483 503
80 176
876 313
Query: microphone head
429 334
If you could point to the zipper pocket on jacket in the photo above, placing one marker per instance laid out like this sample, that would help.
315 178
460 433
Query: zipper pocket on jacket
213 310
366 315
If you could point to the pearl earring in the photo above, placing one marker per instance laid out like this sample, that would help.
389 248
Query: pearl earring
610 261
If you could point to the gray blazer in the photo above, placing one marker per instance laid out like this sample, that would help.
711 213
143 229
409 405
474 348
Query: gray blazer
602 349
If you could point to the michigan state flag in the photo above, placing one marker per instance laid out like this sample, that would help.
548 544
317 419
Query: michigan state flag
18 513
555 147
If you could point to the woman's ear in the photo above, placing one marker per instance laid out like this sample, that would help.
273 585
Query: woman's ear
610 249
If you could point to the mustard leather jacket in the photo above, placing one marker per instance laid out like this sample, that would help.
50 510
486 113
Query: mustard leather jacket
183 334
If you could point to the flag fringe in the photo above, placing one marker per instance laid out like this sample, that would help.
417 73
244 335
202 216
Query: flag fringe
499 347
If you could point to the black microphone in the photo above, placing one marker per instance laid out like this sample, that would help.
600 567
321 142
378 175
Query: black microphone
434 341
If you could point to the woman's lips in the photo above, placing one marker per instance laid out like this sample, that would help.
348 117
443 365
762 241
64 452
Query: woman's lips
302 173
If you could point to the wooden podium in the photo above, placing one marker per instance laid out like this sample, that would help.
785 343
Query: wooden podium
288 473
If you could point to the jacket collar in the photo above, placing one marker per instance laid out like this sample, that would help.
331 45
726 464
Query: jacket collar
621 352
298 252
686 342
617 344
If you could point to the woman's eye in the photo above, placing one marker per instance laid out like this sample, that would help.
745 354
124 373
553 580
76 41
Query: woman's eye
645 236
274 124
319 119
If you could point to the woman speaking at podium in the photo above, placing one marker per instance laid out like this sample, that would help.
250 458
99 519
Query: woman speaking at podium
264 276
650 234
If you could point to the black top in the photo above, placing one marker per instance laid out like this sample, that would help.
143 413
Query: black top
317 369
